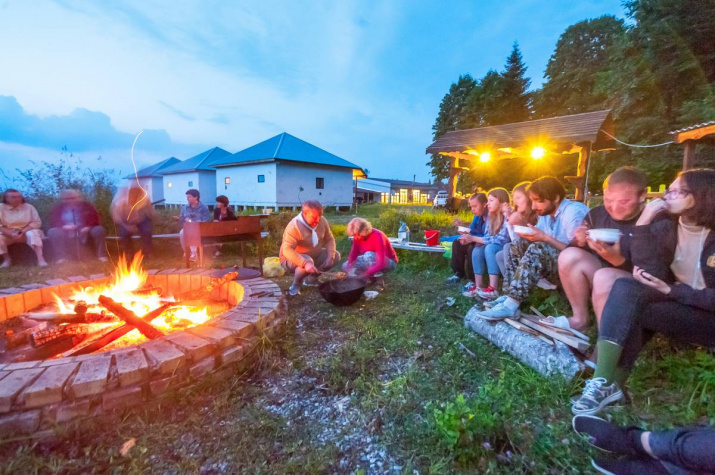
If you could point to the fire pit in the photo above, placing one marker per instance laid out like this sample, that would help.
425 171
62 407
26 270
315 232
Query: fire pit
78 347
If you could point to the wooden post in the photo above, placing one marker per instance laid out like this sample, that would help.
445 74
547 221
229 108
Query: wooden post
453 177
689 155
584 156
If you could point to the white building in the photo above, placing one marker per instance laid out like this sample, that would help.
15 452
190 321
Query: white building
195 172
284 171
151 179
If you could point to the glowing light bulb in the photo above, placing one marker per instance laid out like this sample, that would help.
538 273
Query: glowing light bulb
485 157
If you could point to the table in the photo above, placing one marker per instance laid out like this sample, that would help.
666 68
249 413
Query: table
416 246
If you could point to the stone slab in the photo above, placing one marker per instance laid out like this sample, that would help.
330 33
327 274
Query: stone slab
11 291
14 383
158 386
232 354
92 376
48 388
167 271
163 356
195 348
32 286
132 367
23 365
19 423
56 282
97 276
56 362
77 278
73 410
121 398
221 337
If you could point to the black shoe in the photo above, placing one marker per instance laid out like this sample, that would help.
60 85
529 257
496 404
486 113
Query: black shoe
628 466
608 437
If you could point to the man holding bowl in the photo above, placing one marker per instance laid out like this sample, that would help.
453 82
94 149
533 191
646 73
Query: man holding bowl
535 255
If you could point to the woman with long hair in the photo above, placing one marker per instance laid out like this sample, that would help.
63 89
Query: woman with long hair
484 254
672 290
521 214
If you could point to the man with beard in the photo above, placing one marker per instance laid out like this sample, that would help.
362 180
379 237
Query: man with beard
535 255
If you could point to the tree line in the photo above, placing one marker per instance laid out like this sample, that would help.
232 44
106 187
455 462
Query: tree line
655 70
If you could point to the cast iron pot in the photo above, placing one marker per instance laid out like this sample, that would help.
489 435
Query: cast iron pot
343 292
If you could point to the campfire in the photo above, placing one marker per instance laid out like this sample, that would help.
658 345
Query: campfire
116 314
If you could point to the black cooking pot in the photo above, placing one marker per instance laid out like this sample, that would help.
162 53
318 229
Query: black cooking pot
343 292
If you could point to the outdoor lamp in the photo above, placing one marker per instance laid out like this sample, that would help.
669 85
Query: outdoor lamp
537 153
485 157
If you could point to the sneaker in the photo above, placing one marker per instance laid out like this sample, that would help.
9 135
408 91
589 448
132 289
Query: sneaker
218 253
545 284
103 259
453 280
41 263
497 312
60 261
596 396
193 257
293 291
467 286
487 293
472 291
497 301
311 281
6 263
608 437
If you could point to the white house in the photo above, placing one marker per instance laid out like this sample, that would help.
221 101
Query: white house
284 171
195 172
151 179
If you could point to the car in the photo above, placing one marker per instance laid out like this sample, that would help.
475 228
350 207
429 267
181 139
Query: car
440 200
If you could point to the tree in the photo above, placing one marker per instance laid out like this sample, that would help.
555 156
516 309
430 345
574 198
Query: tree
582 52
452 116
515 103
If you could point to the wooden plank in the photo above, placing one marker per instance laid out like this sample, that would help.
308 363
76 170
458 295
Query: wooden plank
552 332
695 133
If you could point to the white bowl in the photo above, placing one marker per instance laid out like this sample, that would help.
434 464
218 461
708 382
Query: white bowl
604 235
523 230
463 229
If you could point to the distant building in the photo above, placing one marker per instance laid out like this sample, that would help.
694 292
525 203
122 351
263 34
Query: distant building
388 191
151 179
195 172
285 171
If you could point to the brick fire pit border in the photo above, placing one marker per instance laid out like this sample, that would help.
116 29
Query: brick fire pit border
36 396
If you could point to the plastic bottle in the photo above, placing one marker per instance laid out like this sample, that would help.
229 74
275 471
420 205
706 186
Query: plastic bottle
403 234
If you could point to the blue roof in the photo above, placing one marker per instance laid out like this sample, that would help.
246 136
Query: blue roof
202 161
153 170
284 147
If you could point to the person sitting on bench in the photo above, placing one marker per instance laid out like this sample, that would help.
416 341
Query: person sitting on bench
462 248
308 246
19 224
132 213
74 222
192 212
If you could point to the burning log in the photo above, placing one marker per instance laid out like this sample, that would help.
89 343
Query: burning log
43 337
201 293
105 338
146 328
55 317
16 339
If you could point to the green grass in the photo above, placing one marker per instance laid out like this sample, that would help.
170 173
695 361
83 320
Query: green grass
398 361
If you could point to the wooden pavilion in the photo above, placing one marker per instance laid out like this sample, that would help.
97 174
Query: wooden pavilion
688 136
578 133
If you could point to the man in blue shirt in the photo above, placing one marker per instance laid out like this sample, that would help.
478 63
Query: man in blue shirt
462 248
193 212
536 254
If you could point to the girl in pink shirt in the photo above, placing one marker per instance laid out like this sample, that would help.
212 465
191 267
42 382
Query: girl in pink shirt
371 253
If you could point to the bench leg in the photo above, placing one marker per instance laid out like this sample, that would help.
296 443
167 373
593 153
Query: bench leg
201 256
187 252
243 253
260 255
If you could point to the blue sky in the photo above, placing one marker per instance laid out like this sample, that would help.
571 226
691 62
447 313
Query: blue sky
362 80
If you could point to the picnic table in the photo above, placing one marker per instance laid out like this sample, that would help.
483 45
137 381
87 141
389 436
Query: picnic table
415 246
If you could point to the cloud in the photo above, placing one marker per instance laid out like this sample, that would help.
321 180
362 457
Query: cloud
176 111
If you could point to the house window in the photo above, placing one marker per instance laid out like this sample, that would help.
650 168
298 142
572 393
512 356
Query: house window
320 183
261 178
168 185
191 183
403 196
227 180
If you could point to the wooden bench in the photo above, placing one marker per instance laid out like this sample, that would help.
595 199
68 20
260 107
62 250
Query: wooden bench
416 246
245 229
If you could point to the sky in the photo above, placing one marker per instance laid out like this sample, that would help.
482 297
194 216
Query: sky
360 79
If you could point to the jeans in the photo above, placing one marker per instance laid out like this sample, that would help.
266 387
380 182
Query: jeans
318 262
461 255
144 229
486 256
689 448
634 312
63 242
502 256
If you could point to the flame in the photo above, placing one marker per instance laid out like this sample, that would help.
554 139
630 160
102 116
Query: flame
128 279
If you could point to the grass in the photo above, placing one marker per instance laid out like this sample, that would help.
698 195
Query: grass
397 364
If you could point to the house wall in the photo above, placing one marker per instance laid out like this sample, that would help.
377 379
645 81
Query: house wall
338 182
244 189
176 193
207 187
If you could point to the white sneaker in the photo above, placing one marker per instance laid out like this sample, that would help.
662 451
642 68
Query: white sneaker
472 291
193 257
493 303
41 263
487 293
6 263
